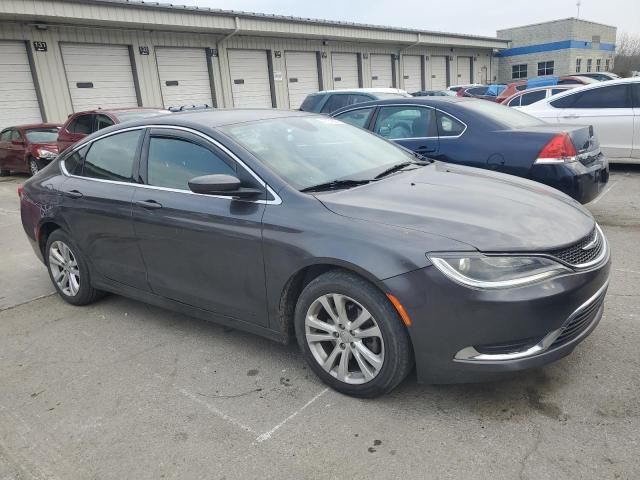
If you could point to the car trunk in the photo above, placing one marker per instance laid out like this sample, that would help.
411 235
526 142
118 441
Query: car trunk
582 137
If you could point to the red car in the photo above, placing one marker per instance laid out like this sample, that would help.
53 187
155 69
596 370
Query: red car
28 148
515 87
81 124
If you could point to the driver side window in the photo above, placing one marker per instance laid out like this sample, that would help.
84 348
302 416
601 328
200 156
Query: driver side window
405 122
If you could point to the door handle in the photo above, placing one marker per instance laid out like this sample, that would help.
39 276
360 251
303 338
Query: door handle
149 204
73 194
570 116
425 150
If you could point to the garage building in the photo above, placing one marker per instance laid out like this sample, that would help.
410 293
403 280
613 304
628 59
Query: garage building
61 56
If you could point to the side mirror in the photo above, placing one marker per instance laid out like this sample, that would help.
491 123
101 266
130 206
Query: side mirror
223 185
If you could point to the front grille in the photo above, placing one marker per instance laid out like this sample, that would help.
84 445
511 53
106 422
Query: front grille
576 254
508 347
580 322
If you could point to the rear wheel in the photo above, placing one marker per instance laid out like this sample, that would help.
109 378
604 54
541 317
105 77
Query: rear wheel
68 270
351 335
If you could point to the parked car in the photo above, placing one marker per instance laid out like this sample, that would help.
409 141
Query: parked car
612 107
455 88
434 93
486 92
328 101
81 124
28 148
295 225
486 135
531 95
546 81
599 76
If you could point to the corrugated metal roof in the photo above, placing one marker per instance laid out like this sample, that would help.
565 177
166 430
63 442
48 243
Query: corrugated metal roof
266 16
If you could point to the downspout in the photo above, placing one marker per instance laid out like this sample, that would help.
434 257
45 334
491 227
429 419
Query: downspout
225 94
229 35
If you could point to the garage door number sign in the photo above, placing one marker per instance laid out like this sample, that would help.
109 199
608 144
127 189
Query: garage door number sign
40 46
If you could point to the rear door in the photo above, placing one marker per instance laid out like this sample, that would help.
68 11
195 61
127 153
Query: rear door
635 91
5 150
411 126
609 109
17 150
97 206
78 128
201 250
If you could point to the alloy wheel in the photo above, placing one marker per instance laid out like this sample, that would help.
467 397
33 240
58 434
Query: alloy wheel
64 268
344 338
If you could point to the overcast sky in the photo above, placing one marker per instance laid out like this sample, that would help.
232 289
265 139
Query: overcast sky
479 17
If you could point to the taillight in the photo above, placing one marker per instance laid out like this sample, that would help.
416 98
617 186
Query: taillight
560 149
20 191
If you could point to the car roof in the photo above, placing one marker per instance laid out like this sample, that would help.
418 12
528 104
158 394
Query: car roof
590 86
362 90
116 110
219 117
428 101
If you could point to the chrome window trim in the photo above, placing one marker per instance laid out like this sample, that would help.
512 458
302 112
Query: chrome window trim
411 105
471 355
276 201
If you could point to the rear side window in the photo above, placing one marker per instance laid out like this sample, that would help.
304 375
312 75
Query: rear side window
614 96
515 102
112 157
521 87
449 126
172 162
82 124
5 136
102 121
531 97
336 102
357 118
635 89
73 163
311 103
357 98
554 91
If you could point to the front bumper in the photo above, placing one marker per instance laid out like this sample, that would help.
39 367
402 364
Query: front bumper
460 334
581 182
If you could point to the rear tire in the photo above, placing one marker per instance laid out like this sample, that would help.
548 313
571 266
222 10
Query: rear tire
351 335
69 271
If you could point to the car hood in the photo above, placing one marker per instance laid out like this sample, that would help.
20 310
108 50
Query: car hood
490 211
52 146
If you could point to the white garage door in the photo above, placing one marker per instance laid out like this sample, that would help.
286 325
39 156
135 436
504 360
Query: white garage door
302 76
345 70
438 73
250 84
381 71
99 76
18 100
464 70
412 73
184 76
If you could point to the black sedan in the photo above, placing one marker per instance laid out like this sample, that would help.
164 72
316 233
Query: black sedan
295 225
487 135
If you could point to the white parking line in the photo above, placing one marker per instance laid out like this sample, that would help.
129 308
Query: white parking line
607 190
216 412
267 435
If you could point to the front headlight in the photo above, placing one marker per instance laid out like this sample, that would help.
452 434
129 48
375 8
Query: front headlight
481 271
46 154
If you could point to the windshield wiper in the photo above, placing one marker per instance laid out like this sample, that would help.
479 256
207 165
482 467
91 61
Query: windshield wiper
334 185
394 168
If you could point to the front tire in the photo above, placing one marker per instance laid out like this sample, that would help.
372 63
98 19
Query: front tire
351 335
34 166
68 270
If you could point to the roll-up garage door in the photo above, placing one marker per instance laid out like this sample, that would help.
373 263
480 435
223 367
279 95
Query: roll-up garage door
184 76
438 73
250 84
18 99
464 70
345 70
412 73
302 76
381 71
99 76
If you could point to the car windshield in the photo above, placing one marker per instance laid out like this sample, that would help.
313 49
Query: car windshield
42 135
308 151
137 114
503 115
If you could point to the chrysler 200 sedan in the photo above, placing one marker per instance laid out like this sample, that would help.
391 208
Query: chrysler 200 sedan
294 225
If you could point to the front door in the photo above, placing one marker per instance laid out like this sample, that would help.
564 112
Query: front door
97 206
411 126
202 250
